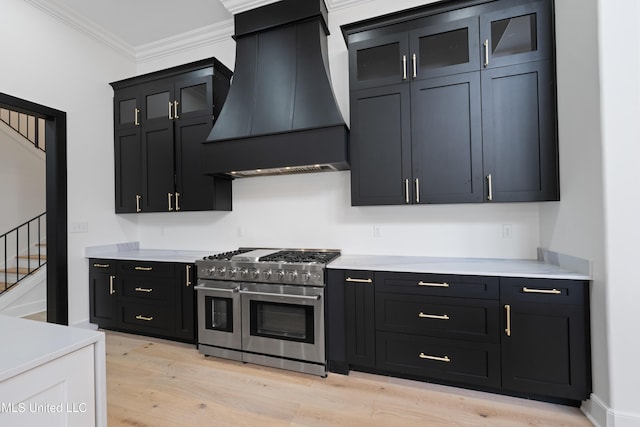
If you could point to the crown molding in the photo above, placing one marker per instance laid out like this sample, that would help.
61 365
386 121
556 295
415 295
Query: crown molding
204 36
74 20
343 4
238 6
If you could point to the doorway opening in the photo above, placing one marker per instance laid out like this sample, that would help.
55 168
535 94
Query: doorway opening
56 203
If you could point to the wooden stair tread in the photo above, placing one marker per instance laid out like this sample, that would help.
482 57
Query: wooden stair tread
42 257
14 270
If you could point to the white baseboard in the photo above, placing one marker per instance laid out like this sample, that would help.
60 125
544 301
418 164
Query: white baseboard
602 416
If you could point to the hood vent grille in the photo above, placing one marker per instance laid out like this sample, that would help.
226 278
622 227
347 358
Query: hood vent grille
280 115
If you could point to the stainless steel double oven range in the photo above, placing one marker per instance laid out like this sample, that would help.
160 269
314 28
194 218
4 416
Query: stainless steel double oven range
264 306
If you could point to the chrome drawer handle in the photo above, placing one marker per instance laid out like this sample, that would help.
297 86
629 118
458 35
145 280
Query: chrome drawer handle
144 268
433 316
541 291
349 279
433 285
272 294
146 319
207 288
147 290
436 358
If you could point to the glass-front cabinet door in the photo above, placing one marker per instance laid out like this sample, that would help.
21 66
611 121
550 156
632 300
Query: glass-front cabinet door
126 109
515 35
444 48
158 102
379 62
194 97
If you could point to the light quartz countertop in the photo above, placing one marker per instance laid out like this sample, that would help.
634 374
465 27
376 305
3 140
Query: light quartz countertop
465 266
132 251
27 344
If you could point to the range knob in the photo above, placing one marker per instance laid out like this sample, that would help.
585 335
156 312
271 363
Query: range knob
292 275
255 273
266 274
280 275
210 271
222 271
305 277
233 272
243 273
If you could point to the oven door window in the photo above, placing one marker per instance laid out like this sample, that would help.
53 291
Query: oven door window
219 314
288 322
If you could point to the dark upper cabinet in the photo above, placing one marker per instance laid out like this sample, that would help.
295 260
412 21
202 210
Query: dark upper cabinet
160 122
545 337
479 120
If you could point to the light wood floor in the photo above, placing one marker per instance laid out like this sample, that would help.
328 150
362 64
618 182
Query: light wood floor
156 383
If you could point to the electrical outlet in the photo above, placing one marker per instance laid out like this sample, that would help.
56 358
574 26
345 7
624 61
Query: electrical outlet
79 227
377 231
507 231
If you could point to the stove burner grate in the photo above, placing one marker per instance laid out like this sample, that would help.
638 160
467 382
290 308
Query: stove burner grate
301 256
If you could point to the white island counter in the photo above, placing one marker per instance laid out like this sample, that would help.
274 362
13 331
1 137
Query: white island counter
51 375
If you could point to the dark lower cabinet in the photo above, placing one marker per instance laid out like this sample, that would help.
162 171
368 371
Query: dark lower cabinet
360 318
545 340
517 336
143 297
102 292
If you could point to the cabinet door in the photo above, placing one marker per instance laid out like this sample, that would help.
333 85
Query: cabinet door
128 174
446 139
194 96
444 48
127 108
516 34
360 318
157 101
545 344
196 191
379 62
380 146
185 302
102 292
158 167
519 133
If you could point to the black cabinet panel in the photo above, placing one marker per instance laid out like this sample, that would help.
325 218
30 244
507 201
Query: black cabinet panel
447 139
102 292
185 322
360 318
451 360
154 319
380 145
158 170
444 285
128 173
520 149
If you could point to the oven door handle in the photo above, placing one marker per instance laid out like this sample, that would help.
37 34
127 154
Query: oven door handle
271 294
207 288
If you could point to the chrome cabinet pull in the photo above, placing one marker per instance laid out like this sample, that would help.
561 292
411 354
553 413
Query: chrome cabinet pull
175 110
415 66
541 291
406 191
404 67
507 330
188 272
433 316
417 190
136 120
101 265
111 287
138 197
169 197
207 288
271 294
143 268
349 279
177 201
433 285
490 183
146 319
147 290
486 53
436 358
170 110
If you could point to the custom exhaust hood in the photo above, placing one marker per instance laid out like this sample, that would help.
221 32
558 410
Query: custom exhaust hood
280 115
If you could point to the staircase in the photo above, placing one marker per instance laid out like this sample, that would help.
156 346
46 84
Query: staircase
27 125
24 252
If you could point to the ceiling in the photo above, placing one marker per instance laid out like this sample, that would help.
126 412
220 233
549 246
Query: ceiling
139 22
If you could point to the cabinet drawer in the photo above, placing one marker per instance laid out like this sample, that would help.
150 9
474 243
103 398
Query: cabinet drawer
455 318
444 285
548 291
157 319
147 288
450 360
146 268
